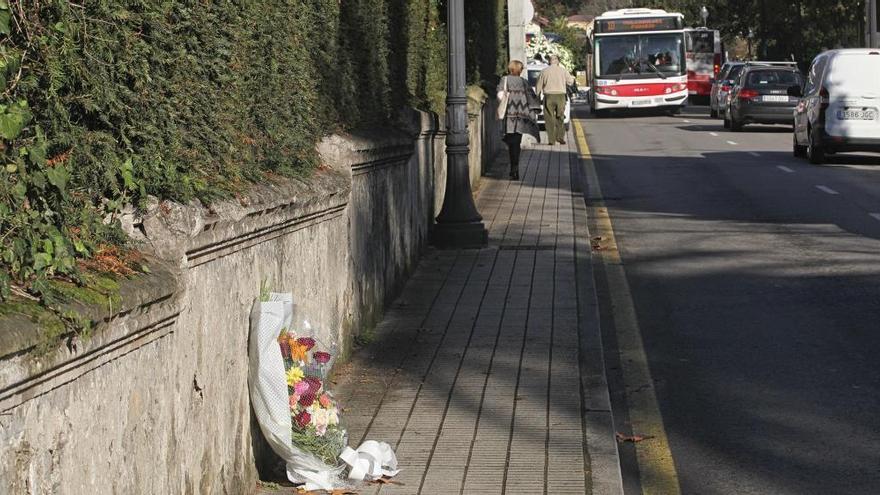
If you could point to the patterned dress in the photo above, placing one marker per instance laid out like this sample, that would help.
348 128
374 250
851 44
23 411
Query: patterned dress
520 117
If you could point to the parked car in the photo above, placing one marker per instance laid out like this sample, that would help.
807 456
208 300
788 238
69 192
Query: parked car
721 87
839 106
760 95
533 71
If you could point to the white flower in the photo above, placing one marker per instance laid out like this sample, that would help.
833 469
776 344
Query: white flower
538 44
332 416
320 420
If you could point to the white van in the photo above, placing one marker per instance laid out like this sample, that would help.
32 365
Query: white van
839 109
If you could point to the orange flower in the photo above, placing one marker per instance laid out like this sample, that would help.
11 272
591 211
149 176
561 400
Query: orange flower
298 352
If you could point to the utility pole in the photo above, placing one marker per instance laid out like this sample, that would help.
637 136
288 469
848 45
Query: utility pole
519 14
459 225
872 19
762 32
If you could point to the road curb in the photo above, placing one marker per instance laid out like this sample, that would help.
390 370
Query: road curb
605 471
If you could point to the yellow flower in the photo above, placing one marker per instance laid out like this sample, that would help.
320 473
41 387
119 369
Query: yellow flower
294 376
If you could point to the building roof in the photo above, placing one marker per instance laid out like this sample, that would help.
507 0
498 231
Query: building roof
580 18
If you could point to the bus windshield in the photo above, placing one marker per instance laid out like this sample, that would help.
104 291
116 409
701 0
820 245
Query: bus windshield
701 41
640 55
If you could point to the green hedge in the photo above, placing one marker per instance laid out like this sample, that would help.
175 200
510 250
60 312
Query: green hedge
486 30
108 101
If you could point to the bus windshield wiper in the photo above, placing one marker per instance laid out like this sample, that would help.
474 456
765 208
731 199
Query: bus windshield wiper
655 69
634 68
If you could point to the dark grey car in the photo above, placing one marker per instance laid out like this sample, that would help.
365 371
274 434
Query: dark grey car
760 96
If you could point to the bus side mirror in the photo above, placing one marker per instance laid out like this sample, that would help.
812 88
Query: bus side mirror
795 91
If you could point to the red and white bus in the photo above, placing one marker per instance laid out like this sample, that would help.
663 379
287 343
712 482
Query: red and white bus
638 61
705 56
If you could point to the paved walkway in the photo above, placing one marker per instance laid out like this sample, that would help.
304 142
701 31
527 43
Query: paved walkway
486 373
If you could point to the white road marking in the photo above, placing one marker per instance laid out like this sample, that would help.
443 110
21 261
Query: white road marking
732 143
826 189
713 134
785 169
686 121
875 216
755 154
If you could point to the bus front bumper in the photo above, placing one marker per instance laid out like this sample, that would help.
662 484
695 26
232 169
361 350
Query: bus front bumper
671 100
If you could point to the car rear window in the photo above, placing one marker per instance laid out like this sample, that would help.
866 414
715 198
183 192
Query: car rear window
855 73
766 78
734 71
724 70
533 77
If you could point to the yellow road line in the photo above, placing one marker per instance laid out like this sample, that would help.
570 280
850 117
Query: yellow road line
657 472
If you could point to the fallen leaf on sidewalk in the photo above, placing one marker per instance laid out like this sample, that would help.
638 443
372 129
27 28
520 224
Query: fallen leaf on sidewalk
386 481
634 438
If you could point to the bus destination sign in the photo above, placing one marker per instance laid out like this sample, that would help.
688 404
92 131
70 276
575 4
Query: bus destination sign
638 24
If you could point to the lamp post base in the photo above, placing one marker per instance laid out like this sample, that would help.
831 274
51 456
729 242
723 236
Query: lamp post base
463 235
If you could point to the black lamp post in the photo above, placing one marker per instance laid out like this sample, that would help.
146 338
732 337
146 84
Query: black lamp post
459 225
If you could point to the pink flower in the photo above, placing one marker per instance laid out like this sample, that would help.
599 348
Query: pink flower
325 401
308 342
303 419
301 387
321 357
293 400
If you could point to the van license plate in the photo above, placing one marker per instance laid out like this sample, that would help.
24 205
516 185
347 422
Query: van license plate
777 98
856 115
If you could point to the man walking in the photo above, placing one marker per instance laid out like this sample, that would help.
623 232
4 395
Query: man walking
552 85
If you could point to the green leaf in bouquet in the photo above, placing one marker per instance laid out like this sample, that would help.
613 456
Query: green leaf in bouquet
326 448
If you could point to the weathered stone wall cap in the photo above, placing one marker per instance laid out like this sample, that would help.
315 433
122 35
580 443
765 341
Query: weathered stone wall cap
366 148
21 334
172 228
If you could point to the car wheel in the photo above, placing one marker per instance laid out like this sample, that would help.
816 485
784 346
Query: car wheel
815 153
798 150
735 125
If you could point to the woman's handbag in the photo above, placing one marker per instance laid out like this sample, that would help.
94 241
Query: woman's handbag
501 111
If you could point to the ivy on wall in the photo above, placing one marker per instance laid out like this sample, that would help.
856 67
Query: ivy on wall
107 102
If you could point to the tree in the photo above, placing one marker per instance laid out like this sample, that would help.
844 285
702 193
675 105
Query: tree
573 39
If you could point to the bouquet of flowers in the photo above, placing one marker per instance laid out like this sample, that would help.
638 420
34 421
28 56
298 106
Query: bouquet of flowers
313 410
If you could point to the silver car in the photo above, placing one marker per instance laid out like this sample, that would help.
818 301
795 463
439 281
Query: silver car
721 88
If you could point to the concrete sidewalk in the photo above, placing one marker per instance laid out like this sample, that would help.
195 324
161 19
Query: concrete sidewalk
486 375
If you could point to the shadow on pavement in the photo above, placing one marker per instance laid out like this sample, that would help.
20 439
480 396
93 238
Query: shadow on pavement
758 311
758 300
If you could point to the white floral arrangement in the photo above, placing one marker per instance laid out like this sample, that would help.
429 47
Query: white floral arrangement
540 45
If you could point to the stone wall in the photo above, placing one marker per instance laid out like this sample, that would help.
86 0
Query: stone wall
155 401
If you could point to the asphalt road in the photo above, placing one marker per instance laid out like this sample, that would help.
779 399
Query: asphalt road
756 282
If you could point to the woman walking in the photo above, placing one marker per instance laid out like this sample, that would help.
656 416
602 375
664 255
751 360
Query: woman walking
516 109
